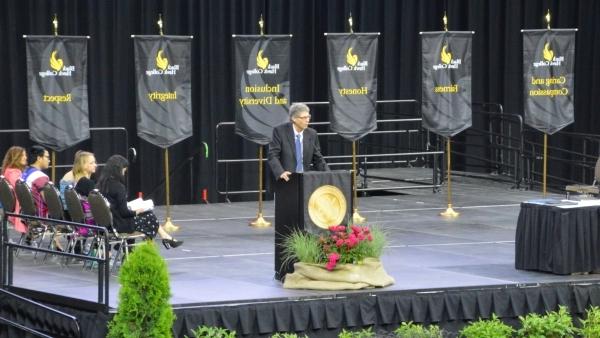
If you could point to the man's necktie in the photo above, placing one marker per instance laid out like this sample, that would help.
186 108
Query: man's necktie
299 166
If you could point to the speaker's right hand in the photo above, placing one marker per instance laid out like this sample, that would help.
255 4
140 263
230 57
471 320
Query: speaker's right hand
285 176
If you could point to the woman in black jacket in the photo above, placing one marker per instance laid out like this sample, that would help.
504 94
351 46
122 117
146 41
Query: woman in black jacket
112 185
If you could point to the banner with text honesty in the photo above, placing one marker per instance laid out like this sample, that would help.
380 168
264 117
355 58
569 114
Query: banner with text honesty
446 82
352 83
262 73
164 88
57 90
549 81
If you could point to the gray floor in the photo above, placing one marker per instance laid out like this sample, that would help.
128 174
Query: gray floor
225 260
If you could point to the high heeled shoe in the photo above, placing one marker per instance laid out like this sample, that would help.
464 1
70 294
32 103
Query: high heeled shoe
171 243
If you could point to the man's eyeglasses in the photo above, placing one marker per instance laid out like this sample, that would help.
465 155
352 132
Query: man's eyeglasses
303 117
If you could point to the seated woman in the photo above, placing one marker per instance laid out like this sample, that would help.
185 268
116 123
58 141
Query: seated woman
83 187
84 165
15 161
112 185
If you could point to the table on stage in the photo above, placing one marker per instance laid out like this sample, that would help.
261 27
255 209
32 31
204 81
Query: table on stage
558 237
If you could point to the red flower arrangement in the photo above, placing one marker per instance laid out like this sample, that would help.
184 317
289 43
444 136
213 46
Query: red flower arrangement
346 244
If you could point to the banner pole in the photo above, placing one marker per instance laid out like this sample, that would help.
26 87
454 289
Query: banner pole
260 222
545 163
53 166
168 226
356 217
449 211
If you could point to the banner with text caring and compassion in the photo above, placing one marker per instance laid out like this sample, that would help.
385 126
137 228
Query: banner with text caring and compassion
164 88
57 90
548 62
352 84
446 82
262 65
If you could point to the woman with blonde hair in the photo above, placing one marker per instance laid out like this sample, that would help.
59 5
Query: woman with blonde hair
15 161
84 165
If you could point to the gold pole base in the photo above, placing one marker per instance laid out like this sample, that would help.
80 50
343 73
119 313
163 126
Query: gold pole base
169 226
449 212
260 222
357 218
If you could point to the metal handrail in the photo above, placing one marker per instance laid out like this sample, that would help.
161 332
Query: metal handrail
6 254
219 161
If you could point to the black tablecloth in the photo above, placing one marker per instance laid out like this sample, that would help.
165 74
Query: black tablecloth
557 240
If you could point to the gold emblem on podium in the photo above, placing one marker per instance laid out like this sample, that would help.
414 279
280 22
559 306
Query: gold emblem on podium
327 206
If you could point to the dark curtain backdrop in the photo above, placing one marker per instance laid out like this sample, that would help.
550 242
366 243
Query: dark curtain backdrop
497 68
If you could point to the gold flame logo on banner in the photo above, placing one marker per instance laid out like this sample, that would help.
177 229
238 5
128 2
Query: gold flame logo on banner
261 62
548 53
351 59
55 63
161 62
445 55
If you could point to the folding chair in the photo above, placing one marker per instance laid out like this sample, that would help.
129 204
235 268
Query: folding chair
73 201
34 227
103 217
56 211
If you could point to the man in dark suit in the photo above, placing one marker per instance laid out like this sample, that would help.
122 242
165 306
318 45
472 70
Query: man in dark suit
294 147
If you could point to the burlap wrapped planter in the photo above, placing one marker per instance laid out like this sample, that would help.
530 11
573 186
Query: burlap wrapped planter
368 274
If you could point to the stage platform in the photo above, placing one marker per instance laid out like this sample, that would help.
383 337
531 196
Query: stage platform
446 270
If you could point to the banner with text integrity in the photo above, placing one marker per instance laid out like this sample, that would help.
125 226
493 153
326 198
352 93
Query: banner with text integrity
549 80
262 73
446 82
352 83
57 90
164 88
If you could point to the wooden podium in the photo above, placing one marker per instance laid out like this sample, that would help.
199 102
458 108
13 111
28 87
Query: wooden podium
292 207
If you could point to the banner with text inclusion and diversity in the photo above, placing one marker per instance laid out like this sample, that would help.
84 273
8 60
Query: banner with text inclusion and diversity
164 88
57 90
446 82
262 64
352 83
548 62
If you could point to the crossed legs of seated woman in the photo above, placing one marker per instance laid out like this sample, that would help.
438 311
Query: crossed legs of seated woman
147 223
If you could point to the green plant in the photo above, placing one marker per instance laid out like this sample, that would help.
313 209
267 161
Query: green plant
553 324
490 328
590 326
411 330
144 308
286 335
364 333
212 332
341 244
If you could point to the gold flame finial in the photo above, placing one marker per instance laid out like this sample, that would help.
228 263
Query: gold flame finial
261 25
160 24
445 21
350 23
55 24
548 17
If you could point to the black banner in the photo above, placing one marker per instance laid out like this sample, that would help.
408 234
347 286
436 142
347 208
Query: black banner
352 84
164 88
57 90
262 64
446 82
548 62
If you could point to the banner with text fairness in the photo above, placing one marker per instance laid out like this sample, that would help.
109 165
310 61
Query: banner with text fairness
352 83
164 88
262 64
57 90
549 81
446 82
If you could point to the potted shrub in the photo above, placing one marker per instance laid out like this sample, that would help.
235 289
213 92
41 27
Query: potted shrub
490 328
144 308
